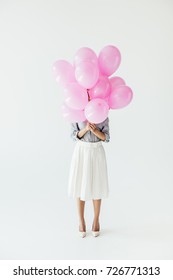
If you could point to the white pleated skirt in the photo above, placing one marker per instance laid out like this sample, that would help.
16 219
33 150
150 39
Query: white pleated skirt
88 177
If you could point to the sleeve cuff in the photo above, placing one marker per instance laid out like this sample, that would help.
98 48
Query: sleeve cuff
107 138
76 137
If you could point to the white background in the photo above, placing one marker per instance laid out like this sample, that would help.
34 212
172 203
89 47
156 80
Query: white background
38 220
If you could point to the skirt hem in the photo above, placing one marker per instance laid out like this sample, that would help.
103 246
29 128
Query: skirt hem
88 198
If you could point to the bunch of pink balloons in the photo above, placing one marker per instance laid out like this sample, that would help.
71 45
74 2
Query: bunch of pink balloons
89 91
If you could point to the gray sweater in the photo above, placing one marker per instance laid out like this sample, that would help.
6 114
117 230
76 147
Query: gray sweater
89 136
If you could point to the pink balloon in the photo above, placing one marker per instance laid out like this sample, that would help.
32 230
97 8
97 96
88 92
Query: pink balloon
64 72
109 60
72 115
85 54
87 74
76 96
101 89
116 81
96 111
106 99
120 97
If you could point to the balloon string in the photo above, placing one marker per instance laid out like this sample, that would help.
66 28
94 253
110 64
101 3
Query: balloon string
88 94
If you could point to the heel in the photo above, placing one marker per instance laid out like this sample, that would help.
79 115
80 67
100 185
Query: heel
96 233
82 233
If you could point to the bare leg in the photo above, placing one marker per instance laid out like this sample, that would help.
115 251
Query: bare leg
81 208
97 206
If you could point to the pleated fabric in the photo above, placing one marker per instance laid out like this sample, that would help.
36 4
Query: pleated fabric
88 177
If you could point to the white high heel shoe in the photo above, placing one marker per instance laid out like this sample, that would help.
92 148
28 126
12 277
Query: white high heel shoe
96 233
82 233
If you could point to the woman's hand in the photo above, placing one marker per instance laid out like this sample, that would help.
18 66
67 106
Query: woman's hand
87 126
97 132
92 127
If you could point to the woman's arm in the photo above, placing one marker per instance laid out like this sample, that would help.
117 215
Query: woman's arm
97 132
104 133
82 132
76 133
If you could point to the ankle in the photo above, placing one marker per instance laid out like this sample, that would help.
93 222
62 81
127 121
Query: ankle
96 221
82 221
82 226
96 224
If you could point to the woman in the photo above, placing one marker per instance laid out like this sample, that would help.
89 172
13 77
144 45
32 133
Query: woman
88 177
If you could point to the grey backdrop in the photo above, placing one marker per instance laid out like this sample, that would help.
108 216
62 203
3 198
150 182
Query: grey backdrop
37 219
